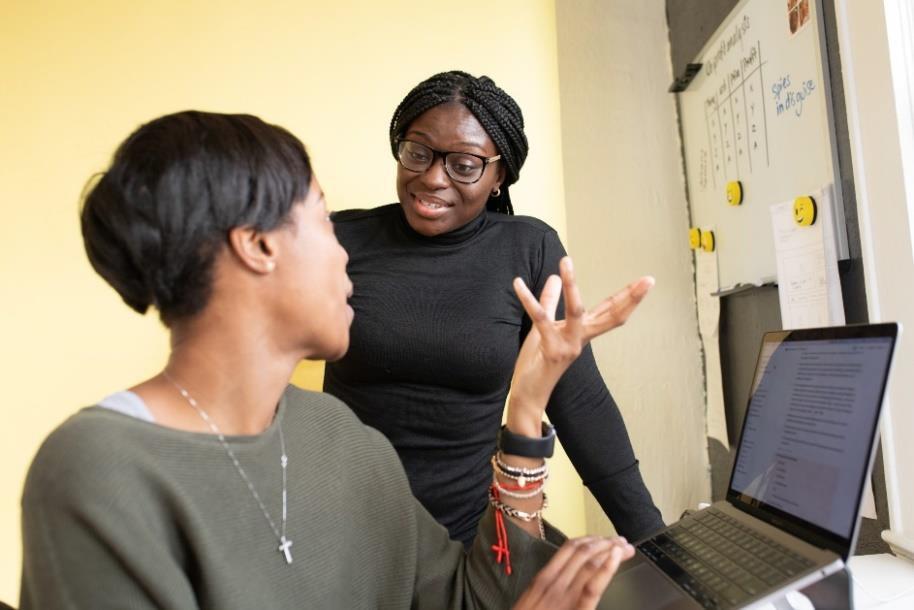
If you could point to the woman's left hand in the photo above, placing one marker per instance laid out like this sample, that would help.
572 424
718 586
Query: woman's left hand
551 346
577 575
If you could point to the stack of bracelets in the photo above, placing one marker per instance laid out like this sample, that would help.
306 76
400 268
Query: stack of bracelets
525 483
530 483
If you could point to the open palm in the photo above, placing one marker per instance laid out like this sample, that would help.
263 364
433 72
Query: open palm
551 346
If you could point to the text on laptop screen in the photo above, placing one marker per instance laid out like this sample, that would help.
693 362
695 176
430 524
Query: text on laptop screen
806 456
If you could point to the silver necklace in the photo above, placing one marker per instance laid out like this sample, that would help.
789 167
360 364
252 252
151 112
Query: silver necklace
285 544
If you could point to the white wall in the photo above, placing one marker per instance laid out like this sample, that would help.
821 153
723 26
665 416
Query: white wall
885 233
627 215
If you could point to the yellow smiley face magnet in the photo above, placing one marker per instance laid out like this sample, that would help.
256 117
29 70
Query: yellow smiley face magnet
707 241
734 192
804 211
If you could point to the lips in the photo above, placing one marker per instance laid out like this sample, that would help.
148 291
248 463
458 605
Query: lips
430 207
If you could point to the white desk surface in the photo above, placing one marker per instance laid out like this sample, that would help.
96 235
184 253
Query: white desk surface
882 581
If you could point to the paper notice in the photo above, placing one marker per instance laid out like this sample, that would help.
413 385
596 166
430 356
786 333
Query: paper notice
807 263
707 283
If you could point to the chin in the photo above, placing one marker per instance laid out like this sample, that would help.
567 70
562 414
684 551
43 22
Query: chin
424 226
336 353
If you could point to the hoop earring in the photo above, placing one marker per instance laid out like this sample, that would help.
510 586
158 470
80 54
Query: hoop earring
497 192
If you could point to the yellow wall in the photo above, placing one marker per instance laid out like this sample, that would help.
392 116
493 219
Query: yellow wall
77 77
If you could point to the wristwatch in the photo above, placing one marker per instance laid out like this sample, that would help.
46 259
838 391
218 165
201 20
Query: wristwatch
527 446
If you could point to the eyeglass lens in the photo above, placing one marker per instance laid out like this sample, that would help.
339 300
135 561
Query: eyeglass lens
461 167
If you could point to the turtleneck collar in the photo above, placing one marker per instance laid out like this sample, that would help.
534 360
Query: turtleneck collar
457 236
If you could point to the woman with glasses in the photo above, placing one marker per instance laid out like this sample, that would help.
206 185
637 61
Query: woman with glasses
214 484
436 331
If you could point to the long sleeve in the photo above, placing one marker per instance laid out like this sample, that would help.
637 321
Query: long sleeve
85 548
593 433
474 579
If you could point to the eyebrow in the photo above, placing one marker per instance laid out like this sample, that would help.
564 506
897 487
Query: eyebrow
469 143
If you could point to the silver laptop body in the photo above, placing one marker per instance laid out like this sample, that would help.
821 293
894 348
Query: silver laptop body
790 517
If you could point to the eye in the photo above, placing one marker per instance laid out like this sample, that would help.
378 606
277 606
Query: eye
464 165
418 155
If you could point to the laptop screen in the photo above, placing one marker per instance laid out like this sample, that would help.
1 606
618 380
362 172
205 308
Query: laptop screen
810 426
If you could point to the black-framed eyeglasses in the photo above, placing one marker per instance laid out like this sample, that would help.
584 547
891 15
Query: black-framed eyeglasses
462 167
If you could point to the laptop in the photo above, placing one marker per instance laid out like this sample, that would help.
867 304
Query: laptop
790 517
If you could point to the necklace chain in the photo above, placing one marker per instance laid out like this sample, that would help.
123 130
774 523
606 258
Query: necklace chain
284 543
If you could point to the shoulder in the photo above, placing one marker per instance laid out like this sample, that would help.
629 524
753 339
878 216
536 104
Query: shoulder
523 227
329 422
521 222
318 410
355 229
83 453
363 216
95 431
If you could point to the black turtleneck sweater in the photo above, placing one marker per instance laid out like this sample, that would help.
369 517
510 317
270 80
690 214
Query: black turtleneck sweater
436 332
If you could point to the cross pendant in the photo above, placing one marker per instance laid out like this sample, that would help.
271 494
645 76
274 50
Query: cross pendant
284 545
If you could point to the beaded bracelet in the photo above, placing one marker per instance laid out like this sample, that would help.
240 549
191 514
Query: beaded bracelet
518 514
512 493
527 485
522 479
517 471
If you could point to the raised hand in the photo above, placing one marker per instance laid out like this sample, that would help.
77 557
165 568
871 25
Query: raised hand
551 346
577 575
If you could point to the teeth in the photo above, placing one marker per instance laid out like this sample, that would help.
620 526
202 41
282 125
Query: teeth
430 204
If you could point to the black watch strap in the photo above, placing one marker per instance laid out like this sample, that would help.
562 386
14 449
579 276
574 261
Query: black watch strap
527 446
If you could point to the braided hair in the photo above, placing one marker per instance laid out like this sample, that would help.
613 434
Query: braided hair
495 110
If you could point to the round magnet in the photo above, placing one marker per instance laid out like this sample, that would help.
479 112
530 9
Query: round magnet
804 211
734 192
707 241
694 238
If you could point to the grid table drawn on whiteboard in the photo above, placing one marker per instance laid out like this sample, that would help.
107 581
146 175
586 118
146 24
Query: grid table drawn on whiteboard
758 112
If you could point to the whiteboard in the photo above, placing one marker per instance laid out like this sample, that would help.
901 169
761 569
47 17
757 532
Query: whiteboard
759 112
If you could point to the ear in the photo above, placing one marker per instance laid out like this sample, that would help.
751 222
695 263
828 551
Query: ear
255 250
500 176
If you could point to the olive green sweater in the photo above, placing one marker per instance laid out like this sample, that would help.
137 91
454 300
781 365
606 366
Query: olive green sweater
122 513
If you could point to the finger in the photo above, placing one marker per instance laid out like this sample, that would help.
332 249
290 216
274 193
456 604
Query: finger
549 299
615 310
592 589
528 301
586 558
567 582
574 305
636 290
554 567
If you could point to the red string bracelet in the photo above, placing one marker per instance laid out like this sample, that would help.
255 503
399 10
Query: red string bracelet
501 534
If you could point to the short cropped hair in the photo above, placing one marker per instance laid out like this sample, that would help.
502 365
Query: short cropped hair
153 223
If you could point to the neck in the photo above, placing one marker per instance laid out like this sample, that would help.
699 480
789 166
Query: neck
233 373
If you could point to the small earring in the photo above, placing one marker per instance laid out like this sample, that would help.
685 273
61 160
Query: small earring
497 192
271 265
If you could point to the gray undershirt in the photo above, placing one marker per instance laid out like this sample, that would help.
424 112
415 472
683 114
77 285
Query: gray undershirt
128 403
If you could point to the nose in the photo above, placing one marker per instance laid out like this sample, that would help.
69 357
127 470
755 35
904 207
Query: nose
436 175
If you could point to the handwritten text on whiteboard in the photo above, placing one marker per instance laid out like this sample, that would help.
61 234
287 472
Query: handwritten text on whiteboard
786 99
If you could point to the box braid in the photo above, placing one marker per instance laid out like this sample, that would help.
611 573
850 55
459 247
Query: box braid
495 110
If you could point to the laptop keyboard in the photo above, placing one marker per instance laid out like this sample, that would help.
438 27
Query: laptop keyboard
719 561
